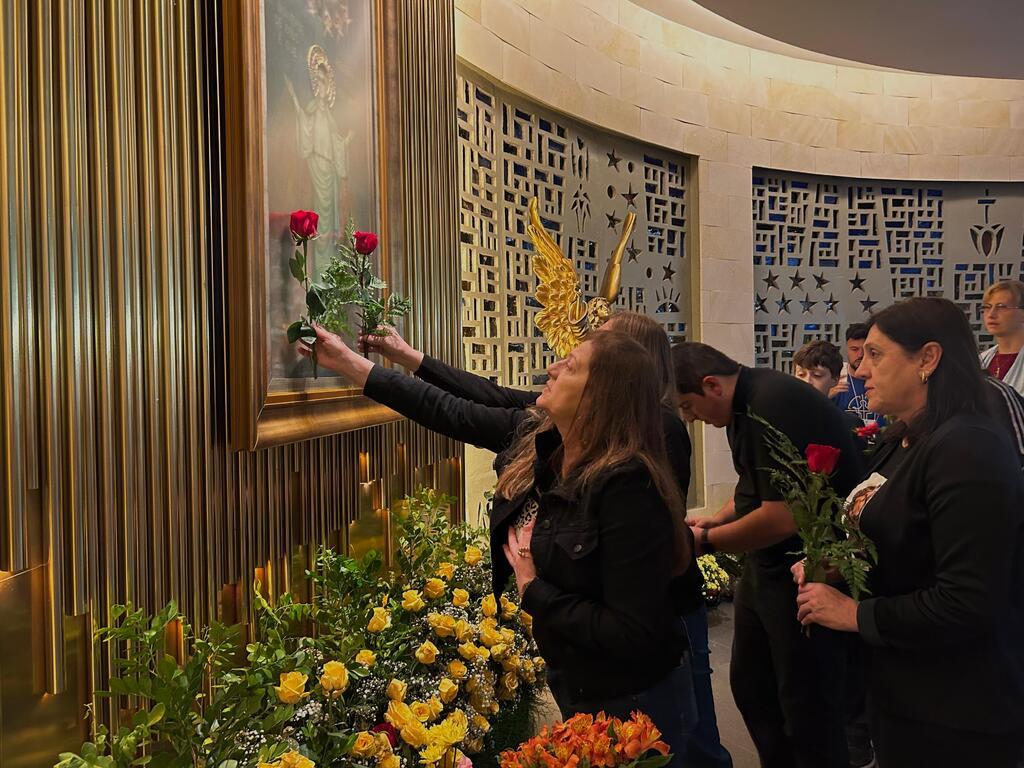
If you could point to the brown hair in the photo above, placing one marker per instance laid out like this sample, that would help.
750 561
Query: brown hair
1014 287
619 419
820 352
692 362
652 337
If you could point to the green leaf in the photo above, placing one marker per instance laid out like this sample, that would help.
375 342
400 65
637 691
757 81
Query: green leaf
297 271
294 332
315 302
307 334
156 714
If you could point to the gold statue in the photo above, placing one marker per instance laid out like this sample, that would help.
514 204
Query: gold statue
566 319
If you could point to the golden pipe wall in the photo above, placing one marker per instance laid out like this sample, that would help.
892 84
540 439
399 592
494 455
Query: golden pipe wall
115 481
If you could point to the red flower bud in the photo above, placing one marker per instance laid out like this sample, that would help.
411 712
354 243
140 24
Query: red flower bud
389 730
822 458
303 224
366 242
868 430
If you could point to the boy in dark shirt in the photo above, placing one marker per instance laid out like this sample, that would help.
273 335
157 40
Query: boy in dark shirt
819 363
788 686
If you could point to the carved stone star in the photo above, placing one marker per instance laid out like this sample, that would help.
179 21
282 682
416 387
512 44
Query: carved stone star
632 252
630 196
772 280
796 280
867 304
821 280
669 273
613 161
831 303
857 282
806 304
759 303
783 303
613 220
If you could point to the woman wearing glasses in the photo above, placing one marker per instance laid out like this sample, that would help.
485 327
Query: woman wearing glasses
1003 312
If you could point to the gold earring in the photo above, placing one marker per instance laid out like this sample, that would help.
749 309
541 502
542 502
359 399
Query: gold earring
924 377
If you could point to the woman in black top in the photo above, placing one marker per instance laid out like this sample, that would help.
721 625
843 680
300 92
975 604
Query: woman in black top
944 625
588 471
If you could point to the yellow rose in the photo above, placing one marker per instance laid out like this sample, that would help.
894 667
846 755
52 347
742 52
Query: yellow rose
464 631
421 710
460 597
473 746
380 620
436 706
490 638
510 663
294 760
489 606
426 653
390 761
399 714
499 651
396 690
482 653
275 764
292 688
526 619
443 625
457 669
414 733
412 601
432 754
366 745
448 690
366 657
446 571
539 663
510 681
488 625
468 651
434 588
508 609
334 680
480 723
473 555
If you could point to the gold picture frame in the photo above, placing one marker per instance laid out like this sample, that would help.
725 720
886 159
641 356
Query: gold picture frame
262 415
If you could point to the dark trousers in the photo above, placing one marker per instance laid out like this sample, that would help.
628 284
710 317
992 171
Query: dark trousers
669 703
705 750
903 743
788 685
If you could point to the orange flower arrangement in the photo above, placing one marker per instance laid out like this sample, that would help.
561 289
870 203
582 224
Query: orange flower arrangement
586 740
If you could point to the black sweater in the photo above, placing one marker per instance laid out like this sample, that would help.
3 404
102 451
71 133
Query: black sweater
945 624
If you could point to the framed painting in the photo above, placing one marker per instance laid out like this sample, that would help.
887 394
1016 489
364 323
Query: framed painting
306 89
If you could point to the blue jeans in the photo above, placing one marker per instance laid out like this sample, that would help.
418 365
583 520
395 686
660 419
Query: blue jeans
669 703
706 750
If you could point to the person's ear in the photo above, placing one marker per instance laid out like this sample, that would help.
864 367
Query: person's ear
712 386
931 356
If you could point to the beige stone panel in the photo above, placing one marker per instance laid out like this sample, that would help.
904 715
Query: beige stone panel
477 45
717 494
746 150
554 48
936 113
864 137
907 84
697 76
525 74
1002 141
771 124
724 178
568 95
726 274
640 21
885 110
609 9
770 65
621 45
907 141
658 61
727 306
598 71
630 82
686 41
1017 169
933 167
741 215
837 162
579 23
1017 114
798 99
615 114
734 339
713 210
984 114
728 243
947 87
661 130
983 168
684 104
807 72
722 53
728 116
508 21
876 165
469 7
705 143
792 157
859 80
957 141
539 8
479 478
648 92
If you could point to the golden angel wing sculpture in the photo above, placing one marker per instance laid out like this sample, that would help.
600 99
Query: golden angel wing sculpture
566 318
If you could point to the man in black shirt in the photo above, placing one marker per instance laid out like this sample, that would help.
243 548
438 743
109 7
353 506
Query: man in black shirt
788 686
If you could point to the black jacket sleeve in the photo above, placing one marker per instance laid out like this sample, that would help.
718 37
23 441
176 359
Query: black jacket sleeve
971 501
469 386
635 557
435 409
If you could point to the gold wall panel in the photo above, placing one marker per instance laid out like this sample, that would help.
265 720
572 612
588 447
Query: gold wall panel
116 480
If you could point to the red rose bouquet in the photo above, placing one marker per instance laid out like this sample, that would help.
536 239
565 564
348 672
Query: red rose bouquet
585 740
831 543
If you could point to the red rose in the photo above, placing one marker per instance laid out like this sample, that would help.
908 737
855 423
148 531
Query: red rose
868 430
366 242
388 729
303 224
822 458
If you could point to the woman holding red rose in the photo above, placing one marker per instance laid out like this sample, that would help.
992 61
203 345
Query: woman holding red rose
944 627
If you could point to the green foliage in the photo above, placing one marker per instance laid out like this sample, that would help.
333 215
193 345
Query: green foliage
426 536
349 281
830 541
